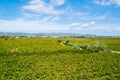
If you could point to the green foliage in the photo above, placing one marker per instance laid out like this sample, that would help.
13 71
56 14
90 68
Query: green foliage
66 42
91 46
95 47
45 59
59 41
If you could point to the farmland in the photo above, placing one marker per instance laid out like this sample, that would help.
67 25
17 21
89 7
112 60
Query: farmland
46 59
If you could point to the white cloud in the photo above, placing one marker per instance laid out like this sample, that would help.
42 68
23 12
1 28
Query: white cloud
94 17
91 23
21 25
118 28
39 6
30 15
95 29
47 18
74 14
75 25
58 2
101 17
78 14
40 18
55 19
112 29
107 2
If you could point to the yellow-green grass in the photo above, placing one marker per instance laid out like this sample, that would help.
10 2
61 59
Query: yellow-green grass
46 59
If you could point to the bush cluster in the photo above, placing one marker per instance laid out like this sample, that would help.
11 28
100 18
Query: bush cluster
91 47
95 47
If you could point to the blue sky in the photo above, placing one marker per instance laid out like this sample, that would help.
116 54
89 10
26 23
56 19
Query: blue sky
100 17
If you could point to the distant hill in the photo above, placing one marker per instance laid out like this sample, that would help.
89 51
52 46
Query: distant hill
22 34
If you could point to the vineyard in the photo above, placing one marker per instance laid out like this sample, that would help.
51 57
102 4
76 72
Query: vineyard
47 59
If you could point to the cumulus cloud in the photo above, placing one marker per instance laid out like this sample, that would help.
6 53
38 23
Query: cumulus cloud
75 25
91 23
107 2
40 6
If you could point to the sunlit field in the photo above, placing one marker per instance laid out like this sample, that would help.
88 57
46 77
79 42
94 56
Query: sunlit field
46 59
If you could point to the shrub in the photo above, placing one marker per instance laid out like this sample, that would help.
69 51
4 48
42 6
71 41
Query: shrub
91 47
66 42
59 41
95 47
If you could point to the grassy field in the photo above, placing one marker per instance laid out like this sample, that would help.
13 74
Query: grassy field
46 59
